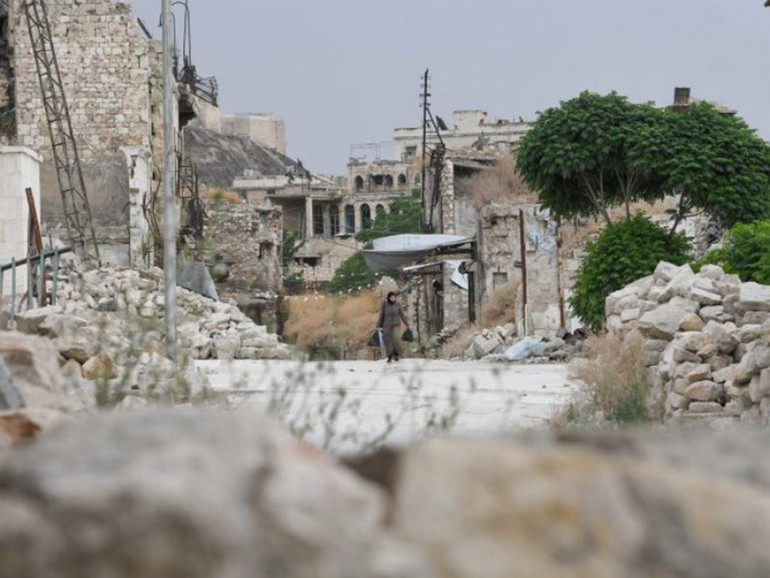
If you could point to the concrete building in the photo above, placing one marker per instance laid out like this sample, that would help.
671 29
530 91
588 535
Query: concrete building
19 169
472 129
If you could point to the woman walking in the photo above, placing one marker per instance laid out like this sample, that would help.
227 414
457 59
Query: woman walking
390 319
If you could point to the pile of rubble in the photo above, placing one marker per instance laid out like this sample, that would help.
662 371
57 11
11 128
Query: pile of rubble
500 344
108 318
707 341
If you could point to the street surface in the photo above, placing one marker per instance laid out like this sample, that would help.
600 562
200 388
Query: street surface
350 406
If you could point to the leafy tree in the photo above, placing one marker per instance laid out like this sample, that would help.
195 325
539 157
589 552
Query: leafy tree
353 274
745 252
404 217
595 152
576 156
714 162
291 243
622 253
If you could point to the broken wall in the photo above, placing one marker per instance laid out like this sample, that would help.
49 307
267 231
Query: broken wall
246 238
111 76
549 262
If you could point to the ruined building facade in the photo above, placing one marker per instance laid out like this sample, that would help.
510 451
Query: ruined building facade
111 72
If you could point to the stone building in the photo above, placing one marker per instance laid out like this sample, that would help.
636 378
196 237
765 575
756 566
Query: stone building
548 260
111 73
472 129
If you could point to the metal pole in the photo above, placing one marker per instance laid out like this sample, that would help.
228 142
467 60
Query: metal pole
425 226
169 202
523 253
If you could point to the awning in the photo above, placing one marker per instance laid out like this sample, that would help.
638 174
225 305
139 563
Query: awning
391 252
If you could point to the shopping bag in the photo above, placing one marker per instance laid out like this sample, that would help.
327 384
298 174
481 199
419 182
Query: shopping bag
407 335
376 339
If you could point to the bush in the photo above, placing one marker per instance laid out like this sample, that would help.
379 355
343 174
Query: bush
623 252
613 382
745 252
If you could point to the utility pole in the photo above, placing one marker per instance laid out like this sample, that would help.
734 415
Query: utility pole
169 200
424 226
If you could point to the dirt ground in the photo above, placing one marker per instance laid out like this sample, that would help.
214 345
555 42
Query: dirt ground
355 405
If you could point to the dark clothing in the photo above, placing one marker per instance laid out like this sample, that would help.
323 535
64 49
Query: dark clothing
390 319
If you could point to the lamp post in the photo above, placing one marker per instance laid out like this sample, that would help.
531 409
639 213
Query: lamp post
169 202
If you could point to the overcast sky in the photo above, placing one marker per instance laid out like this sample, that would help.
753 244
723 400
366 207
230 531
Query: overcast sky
347 72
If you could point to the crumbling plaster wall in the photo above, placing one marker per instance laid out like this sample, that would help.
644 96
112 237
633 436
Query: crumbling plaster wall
110 72
550 262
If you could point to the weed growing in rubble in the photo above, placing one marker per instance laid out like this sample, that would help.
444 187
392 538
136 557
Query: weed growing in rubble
143 369
612 383
338 418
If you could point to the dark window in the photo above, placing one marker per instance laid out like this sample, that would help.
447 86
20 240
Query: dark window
318 221
359 183
380 211
334 219
350 219
366 217
401 180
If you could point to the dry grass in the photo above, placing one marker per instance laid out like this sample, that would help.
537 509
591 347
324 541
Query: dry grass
326 321
613 382
459 342
501 183
221 195
501 307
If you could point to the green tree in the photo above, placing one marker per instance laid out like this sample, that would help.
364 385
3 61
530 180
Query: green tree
622 253
353 274
745 252
714 162
576 156
404 217
595 152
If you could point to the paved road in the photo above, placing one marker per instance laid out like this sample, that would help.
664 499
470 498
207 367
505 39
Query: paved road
354 405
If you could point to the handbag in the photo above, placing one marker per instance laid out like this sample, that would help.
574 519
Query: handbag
407 335
376 339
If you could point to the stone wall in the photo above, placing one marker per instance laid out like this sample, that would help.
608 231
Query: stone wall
707 342
550 263
110 73
248 240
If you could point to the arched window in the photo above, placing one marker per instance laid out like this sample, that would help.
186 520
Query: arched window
350 219
401 180
417 180
388 182
334 219
366 216
318 220
359 183
379 211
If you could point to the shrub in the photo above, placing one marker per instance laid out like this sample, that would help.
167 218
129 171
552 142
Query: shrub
745 252
612 382
623 252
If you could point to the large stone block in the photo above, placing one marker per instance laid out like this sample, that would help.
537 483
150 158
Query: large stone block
182 493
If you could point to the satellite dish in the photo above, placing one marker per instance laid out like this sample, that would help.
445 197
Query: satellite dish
441 124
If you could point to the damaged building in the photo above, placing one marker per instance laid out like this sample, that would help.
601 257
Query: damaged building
475 193
110 69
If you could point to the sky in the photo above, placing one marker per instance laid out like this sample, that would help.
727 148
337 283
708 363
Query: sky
340 73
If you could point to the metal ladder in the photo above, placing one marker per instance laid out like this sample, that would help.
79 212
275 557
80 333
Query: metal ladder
77 212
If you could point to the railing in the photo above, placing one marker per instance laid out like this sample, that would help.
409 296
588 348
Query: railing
36 285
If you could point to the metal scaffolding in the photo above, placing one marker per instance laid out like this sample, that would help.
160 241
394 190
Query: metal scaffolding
77 212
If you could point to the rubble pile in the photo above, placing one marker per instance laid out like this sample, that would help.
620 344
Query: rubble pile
108 318
500 344
707 342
